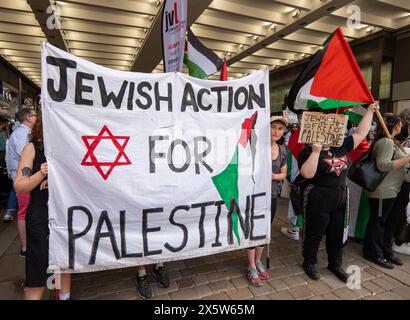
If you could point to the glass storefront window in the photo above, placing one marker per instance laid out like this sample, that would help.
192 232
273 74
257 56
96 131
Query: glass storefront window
385 80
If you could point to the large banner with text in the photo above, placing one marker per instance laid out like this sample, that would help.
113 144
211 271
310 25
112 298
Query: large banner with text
147 168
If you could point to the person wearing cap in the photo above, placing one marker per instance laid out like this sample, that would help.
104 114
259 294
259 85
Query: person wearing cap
256 270
324 198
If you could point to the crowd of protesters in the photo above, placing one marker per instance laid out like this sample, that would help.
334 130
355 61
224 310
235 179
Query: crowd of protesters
317 207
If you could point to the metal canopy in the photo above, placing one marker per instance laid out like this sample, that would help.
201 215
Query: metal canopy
125 34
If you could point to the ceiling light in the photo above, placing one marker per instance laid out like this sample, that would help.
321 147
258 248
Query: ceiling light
273 26
255 38
303 55
295 13
241 46
145 30
158 3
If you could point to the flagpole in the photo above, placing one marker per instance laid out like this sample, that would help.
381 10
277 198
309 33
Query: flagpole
381 120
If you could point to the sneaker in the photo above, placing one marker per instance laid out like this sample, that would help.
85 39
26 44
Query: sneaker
263 273
22 253
143 288
8 216
253 277
161 275
403 249
291 233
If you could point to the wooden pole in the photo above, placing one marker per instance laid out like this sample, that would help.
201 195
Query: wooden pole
381 120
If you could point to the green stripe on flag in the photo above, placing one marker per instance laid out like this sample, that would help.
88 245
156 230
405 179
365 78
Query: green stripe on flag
289 160
227 185
362 216
193 69
331 104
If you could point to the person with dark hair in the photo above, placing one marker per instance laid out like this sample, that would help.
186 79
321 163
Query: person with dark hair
292 129
32 177
405 117
324 198
391 158
401 242
18 139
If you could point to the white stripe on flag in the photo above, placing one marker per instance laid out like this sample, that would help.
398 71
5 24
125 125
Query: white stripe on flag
200 60
304 96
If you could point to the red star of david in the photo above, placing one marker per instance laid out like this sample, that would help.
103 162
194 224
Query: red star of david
337 164
105 168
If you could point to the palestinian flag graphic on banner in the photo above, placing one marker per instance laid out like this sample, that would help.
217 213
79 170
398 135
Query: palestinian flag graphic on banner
226 182
332 79
200 61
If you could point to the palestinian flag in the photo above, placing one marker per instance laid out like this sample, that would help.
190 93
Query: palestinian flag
355 114
332 79
226 182
200 61
293 144
359 210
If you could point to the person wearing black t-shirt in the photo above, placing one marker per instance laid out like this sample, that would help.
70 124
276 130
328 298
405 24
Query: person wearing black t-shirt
325 197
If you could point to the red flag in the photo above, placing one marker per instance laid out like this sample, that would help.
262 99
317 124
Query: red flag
224 72
294 146
339 76
359 151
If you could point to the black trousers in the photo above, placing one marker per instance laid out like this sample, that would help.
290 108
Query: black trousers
324 210
380 229
402 233
274 205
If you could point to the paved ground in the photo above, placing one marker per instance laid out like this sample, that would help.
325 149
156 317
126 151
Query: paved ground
223 276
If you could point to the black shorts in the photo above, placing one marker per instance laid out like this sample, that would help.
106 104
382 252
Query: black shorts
37 254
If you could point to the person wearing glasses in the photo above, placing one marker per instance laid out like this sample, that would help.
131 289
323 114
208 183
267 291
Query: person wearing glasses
18 139
293 128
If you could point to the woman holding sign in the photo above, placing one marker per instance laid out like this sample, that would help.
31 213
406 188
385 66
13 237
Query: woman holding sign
325 198
32 177
256 271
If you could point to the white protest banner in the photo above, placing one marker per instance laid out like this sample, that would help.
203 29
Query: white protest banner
173 25
147 168
325 129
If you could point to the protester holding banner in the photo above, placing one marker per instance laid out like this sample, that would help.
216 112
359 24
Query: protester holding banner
256 271
31 177
390 157
325 197
160 274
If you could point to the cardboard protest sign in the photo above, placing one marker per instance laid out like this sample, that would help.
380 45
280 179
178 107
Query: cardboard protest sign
290 116
147 168
325 129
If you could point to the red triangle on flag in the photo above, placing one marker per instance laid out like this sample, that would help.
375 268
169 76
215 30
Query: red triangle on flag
339 77
294 146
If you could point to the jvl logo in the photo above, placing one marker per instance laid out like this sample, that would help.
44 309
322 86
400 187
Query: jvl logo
171 18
